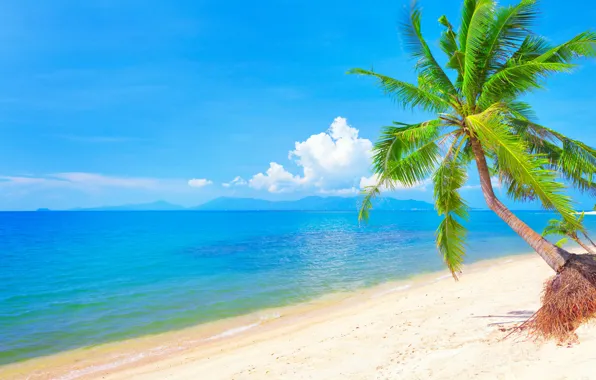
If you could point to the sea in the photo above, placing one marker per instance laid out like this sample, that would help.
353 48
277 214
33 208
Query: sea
76 279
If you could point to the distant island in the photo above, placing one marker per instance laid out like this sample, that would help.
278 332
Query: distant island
312 203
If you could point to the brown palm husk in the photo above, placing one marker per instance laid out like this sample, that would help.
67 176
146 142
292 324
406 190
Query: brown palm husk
568 300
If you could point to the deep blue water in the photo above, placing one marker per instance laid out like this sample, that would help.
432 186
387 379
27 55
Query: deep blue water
71 279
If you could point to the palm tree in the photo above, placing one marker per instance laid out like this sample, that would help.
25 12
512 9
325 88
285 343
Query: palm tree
494 60
562 228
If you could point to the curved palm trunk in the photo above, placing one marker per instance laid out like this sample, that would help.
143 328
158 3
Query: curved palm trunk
583 245
554 256
590 240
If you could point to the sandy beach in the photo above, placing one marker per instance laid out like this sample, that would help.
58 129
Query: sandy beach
428 327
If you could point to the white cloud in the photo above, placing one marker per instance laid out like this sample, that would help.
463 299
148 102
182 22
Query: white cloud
238 181
79 180
276 180
199 182
23 181
100 180
369 181
335 158
331 160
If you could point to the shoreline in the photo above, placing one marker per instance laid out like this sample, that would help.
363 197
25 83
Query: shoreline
87 362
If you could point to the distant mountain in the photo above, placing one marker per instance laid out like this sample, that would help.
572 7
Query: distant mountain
239 204
310 204
154 206
251 204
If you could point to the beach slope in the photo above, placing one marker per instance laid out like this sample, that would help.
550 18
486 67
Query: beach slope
443 330
430 327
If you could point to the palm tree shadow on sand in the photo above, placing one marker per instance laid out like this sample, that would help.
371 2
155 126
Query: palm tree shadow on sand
516 317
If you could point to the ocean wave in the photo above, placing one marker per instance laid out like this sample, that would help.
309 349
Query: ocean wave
393 290
128 359
234 331
161 350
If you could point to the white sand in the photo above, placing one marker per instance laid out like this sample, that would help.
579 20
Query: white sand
435 329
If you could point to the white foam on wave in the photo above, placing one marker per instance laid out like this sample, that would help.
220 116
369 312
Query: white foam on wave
393 290
127 359
160 350
270 317
240 329
98 368
234 331
443 277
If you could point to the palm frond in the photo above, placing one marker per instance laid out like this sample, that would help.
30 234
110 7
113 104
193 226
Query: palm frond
467 14
582 45
561 242
474 49
411 169
405 154
400 139
516 190
581 217
554 227
448 40
531 48
574 163
525 168
370 192
426 64
449 178
449 45
521 110
517 80
507 31
561 227
573 159
450 238
407 94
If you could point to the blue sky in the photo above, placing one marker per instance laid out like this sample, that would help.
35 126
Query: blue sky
107 102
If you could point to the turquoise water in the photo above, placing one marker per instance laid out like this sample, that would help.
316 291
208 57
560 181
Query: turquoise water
72 279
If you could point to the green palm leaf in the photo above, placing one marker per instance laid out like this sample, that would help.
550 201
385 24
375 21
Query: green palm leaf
573 159
407 154
426 64
561 227
370 192
531 48
582 45
513 81
510 28
525 168
467 14
448 179
473 48
561 242
407 94
448 40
